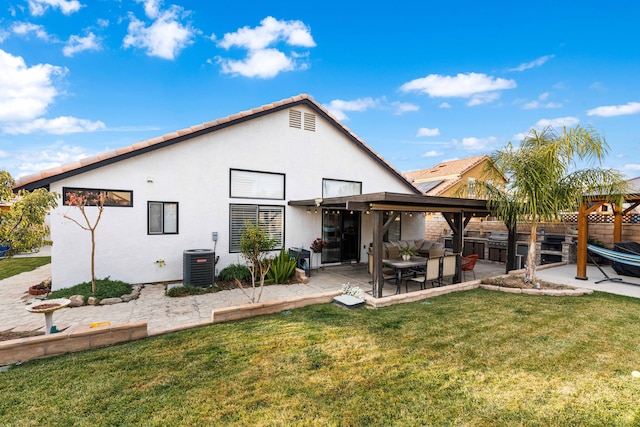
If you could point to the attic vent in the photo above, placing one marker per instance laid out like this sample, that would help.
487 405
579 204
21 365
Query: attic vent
310 122
295 119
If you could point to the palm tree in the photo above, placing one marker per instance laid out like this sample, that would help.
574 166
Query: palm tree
546 178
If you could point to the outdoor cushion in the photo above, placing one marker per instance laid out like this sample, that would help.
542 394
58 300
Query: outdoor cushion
393 252
426 245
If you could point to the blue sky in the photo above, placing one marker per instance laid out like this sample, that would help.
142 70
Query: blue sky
420 81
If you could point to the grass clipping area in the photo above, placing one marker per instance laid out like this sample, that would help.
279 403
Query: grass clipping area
475 358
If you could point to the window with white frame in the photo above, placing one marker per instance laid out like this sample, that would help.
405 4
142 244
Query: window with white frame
339 188
256 185
269 218
162 218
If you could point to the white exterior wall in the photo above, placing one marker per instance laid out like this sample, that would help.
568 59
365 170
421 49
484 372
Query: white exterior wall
195 173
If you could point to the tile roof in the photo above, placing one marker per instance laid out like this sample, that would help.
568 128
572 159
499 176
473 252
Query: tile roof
44 178
444 175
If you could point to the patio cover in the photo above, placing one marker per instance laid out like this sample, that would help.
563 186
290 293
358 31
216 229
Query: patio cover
456 211
589 205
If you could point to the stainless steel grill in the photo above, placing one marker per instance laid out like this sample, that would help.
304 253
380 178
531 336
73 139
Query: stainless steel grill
497 244
552 242
498 239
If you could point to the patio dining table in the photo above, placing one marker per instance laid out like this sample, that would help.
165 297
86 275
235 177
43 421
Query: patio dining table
401 266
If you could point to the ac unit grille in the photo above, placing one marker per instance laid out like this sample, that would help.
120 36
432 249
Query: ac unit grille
198 267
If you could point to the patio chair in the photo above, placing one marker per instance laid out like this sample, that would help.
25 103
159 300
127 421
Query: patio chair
448 267
430 273
468 263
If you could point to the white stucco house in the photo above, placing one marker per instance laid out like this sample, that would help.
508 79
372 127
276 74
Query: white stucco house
182 190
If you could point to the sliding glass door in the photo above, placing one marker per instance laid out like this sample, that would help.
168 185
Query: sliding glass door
341 230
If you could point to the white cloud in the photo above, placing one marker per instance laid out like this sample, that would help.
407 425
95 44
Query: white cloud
265 64
519 136
260 44
615 110
539 103
483 98
444 105
535 63
67 7
25 95
427 132
431 153
38 160
25 92
269 32
631 167
558 122
151 8
165 37
337 107
476 144
58 126
25 28
77 44
481 88
403 107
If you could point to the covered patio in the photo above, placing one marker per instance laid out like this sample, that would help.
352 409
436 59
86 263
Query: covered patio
456 211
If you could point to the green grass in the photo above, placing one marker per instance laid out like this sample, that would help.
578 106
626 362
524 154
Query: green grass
105 288
12 266
475 358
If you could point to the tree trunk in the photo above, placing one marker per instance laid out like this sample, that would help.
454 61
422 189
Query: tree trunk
530 270
93 261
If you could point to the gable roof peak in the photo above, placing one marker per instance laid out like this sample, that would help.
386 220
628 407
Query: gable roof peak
46 177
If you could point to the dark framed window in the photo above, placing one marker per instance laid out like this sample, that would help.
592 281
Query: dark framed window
162 217
270 218
119 198
256 185
340 188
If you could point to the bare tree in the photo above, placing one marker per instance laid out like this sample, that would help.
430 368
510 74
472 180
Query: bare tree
82 199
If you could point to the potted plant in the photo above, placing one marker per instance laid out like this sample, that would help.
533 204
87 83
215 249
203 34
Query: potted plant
407 252
316 247
41 288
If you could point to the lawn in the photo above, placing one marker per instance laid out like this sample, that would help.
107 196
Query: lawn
475 358
12 266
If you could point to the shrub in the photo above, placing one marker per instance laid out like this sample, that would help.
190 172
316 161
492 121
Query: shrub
106 288
183 291
233 272
282 267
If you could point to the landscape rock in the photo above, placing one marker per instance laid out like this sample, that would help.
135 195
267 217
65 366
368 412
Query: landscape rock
76 301
128 297
301 276
110 301
92 301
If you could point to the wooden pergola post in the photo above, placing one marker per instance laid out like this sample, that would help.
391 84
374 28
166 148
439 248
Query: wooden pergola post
583 235
617 223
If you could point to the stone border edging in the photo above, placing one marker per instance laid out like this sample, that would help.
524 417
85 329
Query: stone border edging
75 338
246 311
549 292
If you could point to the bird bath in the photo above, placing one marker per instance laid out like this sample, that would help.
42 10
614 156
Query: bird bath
48 307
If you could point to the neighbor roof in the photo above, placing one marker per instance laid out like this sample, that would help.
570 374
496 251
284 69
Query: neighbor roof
436 180
46 177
